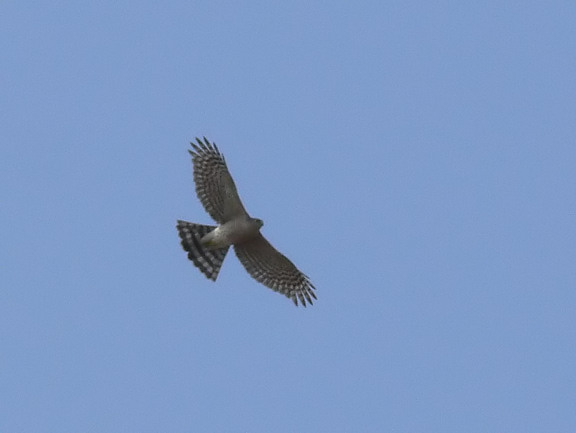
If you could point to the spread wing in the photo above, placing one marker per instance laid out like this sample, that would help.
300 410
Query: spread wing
274 270
214 184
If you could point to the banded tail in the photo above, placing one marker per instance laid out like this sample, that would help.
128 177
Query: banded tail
208 261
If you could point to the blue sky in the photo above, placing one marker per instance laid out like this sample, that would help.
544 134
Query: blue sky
415 159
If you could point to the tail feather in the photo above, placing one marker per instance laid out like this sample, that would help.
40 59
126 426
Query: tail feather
208 261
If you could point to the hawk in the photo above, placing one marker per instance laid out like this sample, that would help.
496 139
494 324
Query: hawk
207 245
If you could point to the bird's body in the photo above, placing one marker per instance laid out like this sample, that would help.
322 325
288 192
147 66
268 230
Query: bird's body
207 246
232 232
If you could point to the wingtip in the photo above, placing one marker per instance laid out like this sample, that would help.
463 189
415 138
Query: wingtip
195 147
203 145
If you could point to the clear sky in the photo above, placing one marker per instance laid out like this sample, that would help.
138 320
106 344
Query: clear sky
416 159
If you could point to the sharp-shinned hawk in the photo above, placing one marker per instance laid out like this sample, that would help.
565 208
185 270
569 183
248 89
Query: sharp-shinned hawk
207 245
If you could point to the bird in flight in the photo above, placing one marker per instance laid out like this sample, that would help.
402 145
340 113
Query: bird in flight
207 245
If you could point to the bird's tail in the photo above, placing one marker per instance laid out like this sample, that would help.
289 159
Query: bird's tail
208 261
